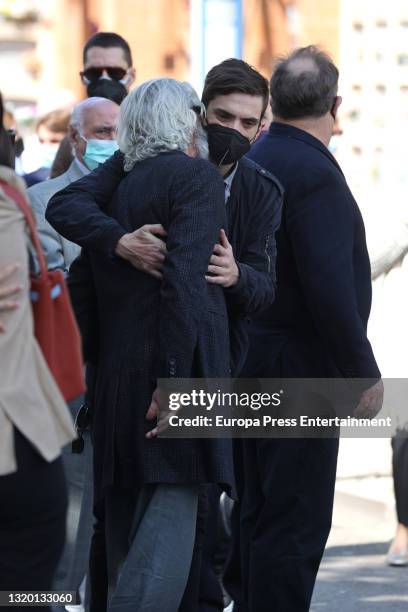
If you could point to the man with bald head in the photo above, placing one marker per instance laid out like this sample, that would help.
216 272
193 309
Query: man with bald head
92 134
316 328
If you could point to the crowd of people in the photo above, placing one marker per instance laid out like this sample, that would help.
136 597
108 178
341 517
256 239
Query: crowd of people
197 242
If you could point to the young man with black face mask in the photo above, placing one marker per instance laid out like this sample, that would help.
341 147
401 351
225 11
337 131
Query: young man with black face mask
107 73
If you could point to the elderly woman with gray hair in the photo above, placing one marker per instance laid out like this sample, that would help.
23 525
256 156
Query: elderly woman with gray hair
150 328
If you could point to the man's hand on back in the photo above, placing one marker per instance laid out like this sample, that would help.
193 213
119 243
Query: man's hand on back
370 402
144 249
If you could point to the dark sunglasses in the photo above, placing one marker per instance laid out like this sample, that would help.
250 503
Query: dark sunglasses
93 74
82 422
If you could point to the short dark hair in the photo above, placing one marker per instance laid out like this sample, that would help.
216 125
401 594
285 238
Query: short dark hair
56 121
108 40
235 76
305 92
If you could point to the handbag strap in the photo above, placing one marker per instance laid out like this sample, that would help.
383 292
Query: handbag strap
17 197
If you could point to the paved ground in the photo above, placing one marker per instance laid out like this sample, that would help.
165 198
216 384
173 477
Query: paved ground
353 576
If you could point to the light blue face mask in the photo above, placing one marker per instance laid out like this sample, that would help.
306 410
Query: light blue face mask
98 151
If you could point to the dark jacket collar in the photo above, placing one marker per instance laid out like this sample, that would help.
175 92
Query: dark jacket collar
289 131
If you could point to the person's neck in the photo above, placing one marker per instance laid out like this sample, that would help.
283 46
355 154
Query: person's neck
224 170
318 127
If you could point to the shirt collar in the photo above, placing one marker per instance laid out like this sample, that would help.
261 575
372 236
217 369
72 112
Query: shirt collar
84 169
228 182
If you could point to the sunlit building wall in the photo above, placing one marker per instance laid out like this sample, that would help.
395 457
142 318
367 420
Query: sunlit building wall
374 84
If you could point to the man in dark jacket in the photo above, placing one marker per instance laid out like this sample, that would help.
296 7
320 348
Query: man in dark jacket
316 328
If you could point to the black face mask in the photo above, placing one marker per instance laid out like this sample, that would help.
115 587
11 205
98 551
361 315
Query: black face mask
107 88
226 145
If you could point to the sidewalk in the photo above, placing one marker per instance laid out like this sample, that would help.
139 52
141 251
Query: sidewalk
353 576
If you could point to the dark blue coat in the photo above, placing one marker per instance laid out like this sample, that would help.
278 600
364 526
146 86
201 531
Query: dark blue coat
150 329
317 326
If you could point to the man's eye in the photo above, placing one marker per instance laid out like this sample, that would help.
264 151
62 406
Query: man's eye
103 132
224 116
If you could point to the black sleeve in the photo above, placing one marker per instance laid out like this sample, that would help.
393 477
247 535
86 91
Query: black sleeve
197 215
76 212
256 286
83 298
320 221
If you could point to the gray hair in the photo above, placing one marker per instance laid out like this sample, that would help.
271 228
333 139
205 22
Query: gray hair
79 111
157 117
304 84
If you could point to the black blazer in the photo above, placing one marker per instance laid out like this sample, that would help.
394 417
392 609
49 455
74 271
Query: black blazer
317 326
147 328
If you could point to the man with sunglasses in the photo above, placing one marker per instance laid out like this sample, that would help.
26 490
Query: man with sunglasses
107 73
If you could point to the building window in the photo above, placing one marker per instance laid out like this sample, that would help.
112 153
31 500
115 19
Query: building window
380 88
404 89
402 59
358 26
356 88
381 23
354 115
357 150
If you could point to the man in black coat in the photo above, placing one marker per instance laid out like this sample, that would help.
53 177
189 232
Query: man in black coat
149 329
316 328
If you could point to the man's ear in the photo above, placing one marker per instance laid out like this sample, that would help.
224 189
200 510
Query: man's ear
131 76
334 109
73 135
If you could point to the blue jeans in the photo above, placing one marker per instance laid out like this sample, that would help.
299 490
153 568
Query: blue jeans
150 538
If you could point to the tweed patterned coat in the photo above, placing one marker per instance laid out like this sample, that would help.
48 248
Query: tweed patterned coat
150 328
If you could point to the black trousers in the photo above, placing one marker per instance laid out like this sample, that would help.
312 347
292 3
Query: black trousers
211 597
400 475
285 520
32 522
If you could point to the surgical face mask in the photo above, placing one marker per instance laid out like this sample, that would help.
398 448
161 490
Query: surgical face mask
98 151
226 145
107 88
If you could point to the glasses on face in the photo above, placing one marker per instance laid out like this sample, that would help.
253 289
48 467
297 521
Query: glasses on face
93 74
